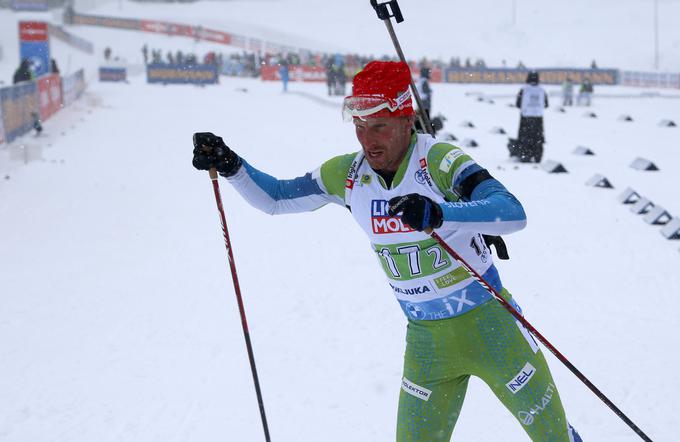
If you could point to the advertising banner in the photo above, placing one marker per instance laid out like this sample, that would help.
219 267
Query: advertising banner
215 36
19 103
29 5
112 74
650 79
436 75
182 74
72 87
107 22
547 75
295 73
177 29
49 95
72 40
2 130
196 32
34 45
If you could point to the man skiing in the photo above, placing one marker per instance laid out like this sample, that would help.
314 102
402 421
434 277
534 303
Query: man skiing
400 185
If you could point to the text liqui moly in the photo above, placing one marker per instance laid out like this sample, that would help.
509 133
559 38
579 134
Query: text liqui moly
382 222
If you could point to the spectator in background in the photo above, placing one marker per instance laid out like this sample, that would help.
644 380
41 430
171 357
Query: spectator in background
340 77
531 100
54 69
23 72
107 53
69 13
593 65
37 124
330 76
283 73
340 81
424 89
425 93
145 53
585 93
568 92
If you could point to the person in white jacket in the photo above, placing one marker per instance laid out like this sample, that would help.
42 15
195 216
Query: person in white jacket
531 100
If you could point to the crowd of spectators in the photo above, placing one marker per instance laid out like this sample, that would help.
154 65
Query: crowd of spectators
338 67
156 56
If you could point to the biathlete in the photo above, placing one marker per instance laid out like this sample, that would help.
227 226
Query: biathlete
400 184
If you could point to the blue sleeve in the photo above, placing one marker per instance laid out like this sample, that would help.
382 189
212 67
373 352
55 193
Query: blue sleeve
274 196
492 210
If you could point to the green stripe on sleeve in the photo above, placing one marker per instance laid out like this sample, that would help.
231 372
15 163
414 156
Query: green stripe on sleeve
334 173
443 160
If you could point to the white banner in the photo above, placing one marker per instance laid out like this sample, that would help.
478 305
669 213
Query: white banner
650 79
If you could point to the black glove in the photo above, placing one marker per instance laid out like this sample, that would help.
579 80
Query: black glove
418 212
210 151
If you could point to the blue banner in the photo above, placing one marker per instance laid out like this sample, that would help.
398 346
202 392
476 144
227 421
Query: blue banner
38 52
112 74
29 5
182 74
19 104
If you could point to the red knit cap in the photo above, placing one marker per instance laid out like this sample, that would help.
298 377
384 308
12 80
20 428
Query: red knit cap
389 80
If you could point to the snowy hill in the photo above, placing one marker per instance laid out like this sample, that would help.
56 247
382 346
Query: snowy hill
618 34
118 320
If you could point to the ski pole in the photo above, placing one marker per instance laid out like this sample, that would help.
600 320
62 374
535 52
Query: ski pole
384 14
389 9
241 309
539 336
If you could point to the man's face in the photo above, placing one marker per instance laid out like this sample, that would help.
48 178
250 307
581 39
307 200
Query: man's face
384 140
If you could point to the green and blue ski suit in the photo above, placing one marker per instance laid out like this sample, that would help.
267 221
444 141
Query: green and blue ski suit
455 328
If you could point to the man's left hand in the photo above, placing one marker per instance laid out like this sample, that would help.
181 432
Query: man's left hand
417 211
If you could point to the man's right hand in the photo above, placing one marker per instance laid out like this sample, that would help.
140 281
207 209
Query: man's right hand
210 151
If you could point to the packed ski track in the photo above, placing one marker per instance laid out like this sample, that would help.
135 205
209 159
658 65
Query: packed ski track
118 320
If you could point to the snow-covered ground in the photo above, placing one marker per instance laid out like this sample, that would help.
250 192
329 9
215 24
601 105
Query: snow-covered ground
117 315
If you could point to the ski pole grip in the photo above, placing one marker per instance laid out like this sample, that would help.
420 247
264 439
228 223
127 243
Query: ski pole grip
383 10
213 173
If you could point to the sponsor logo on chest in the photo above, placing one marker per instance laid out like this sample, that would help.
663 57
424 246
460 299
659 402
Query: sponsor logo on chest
382 222
421 175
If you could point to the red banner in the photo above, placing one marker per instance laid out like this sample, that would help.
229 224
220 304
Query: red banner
436 76
216 36
49 93
33 31
295 73
197 32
